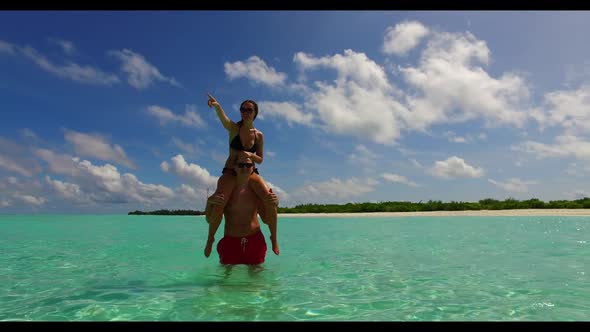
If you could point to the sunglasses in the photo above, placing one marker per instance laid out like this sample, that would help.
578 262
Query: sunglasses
245 165
246 110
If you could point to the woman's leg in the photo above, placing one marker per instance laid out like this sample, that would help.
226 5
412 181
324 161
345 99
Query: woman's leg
225 186
268 213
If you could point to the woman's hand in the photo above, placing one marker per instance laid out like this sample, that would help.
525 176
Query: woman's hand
225 121
216 199
273 198
212 101
245 154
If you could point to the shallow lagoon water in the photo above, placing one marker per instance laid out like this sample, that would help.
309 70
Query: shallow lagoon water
152 268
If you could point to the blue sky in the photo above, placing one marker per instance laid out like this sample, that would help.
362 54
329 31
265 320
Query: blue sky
106 112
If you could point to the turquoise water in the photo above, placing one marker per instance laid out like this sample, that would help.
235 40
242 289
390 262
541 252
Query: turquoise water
99 268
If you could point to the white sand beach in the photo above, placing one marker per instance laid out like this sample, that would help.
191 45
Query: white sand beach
491 213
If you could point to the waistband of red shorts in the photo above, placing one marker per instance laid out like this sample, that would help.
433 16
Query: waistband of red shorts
256 234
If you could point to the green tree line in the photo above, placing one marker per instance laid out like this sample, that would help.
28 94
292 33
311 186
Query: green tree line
169 213
484 204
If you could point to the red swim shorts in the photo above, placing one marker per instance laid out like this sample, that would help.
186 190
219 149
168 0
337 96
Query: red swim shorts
249 249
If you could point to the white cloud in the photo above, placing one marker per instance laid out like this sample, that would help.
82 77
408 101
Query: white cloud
363 156
30 199
350 66
403 37
457 139
69 191
513 185
67 46
455 88
578 170
415 163
165 166
362 152
188 193
189 119
395 178
92 145
564 146
15 166
576 74
15 158
6 47
26 132
455 167
145 193
187 148
106 184
105 177
72 71
449 84
195 198
12 185
270 153
140 73
291 112
333 189
82 171
406 152
568 109
86 183
361 101
14 190
453 138
58 163
192 173
256 70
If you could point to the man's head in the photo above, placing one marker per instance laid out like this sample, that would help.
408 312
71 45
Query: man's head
244 165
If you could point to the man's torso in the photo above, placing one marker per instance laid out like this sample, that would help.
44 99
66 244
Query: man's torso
241 211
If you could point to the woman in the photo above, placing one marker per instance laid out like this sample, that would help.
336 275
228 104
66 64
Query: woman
244 139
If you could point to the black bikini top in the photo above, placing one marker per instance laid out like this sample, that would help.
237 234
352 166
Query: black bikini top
236 143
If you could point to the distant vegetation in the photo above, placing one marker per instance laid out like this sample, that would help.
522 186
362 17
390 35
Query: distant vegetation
484 204
169 213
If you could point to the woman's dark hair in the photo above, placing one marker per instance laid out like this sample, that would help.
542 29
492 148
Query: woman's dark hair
255 107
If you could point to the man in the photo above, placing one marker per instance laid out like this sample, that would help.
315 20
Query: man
243 242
